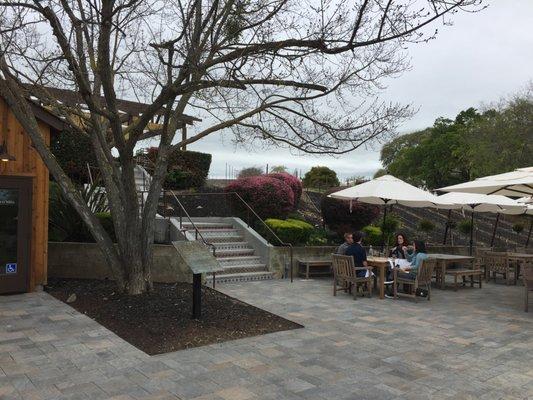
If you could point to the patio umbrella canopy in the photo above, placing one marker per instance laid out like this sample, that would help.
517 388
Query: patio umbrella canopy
516 183
388 189
482 203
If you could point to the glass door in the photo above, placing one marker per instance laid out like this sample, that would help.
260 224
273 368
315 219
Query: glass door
15 209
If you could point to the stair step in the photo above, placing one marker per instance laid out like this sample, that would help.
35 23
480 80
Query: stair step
235 261
222 239
209 226
241 277
224 253
239 269
233 246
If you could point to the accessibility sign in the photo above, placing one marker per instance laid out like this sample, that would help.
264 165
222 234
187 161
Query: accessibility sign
11 268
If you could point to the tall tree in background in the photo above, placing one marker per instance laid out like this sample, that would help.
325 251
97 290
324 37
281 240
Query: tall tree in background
475 144
281 72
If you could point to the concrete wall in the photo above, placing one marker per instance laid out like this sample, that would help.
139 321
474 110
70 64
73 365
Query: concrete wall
84 261
280 258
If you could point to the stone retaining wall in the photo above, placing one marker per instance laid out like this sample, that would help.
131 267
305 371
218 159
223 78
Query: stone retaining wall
279 256
84 261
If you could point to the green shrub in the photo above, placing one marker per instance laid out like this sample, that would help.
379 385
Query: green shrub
319 237
518 228
291 230
390 226
186 169
373 235
426 226
65 224
465 226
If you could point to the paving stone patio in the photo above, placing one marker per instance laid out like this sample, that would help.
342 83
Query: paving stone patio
472 344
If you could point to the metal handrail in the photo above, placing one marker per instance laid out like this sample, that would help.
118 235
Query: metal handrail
282 243
196 230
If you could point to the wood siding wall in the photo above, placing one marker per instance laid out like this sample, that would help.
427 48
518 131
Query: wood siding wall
29 164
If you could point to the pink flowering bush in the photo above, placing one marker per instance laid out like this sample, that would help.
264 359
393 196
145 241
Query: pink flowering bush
294 183
268 196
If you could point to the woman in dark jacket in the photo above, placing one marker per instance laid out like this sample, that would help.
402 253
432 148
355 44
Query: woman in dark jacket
400 248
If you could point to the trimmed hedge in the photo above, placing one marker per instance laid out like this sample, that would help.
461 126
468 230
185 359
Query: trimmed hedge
337 216
269 197
293 182
186 169
291 231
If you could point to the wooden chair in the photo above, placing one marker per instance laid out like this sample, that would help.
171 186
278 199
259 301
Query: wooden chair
423 279
345 276
527 276
498 263
480 262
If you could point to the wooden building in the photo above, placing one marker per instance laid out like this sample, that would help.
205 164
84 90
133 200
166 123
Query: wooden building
24 185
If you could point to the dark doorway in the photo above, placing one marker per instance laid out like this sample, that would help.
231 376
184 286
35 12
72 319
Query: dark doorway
15 234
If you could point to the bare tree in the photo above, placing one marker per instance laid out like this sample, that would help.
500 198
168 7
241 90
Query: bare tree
303 74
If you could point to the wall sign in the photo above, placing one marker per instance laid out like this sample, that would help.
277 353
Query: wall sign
11 268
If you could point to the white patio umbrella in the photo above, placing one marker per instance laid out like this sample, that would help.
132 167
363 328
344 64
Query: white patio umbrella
529 212
386 190
482 203
516 183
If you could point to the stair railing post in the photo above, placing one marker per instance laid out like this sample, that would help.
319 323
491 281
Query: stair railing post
290 265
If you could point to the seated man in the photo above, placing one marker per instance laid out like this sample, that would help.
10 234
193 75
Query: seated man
415 258
358 252
348 241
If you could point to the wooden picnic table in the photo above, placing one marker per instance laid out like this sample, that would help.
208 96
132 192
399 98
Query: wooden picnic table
444 259
323 264
381 264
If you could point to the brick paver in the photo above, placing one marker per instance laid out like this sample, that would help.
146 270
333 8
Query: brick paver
472 344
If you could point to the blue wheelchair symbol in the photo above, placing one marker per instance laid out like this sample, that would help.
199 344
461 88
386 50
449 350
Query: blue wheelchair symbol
11 268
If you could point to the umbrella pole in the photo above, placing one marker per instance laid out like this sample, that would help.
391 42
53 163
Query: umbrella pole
494 231
382 228
472 233
447 226
529 234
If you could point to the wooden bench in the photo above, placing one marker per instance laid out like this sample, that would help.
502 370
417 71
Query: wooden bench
464 272
315 267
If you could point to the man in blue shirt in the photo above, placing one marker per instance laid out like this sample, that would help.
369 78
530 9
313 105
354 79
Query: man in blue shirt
358 252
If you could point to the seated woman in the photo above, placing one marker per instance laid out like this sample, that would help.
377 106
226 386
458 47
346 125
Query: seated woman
415 258
400 248
399 251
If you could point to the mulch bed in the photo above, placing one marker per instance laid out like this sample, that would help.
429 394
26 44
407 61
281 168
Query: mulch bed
160 322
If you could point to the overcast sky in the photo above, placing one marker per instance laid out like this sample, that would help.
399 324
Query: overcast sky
480 59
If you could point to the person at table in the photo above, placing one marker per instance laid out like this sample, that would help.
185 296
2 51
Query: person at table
348 241
400 248
416 258
358 252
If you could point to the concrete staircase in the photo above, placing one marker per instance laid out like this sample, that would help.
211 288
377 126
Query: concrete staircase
233 252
